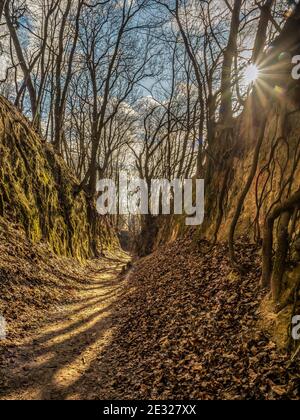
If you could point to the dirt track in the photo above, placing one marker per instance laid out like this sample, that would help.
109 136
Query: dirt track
181 325
47 363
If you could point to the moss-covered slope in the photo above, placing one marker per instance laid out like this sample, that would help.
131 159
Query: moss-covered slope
36 189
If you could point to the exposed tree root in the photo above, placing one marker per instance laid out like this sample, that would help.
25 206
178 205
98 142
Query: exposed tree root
286 207
280 256
244 195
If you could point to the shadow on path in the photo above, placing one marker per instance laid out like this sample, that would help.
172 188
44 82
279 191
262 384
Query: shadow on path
48 362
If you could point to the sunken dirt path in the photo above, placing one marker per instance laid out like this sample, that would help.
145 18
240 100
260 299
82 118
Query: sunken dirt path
181 325
49 362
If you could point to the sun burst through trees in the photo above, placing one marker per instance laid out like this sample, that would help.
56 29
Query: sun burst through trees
251 74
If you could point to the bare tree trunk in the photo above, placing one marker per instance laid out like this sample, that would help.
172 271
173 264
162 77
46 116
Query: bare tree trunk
229 54
58 106
27 76
100 121
2 5
280 256
261 35
199 79
148 234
